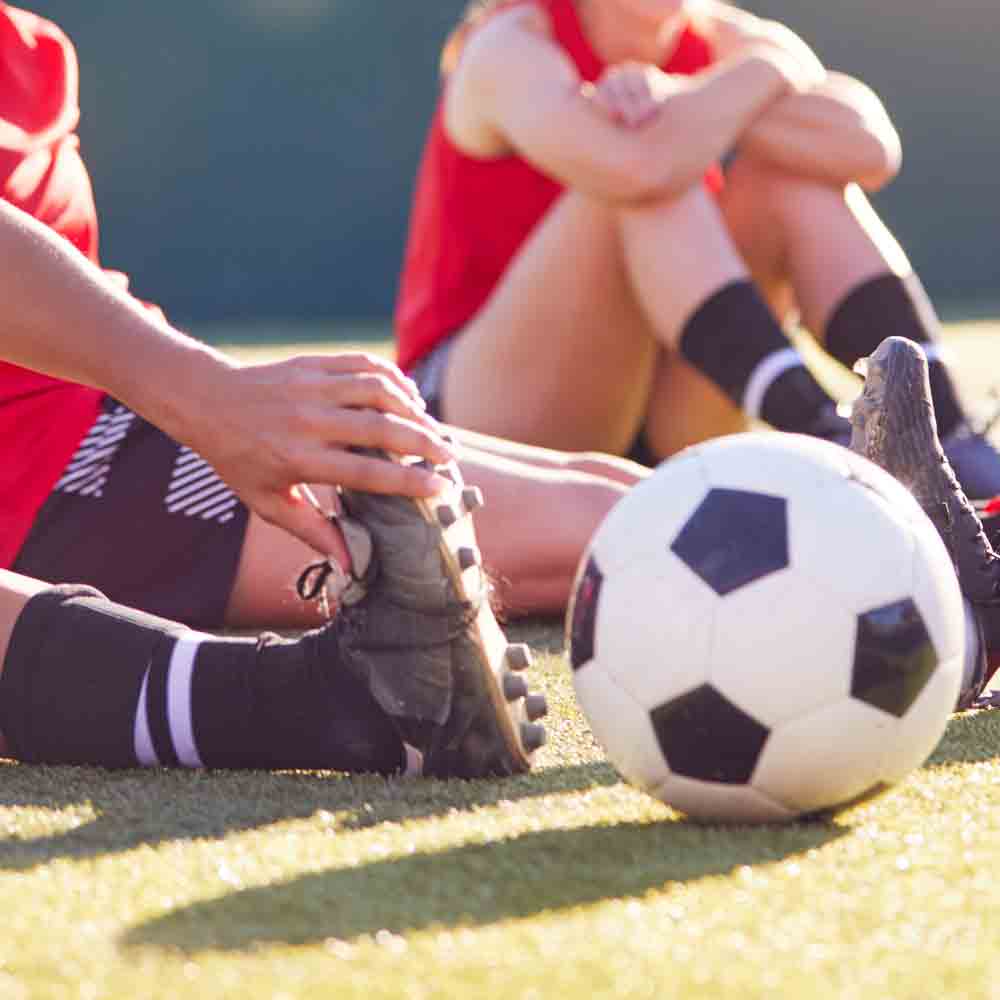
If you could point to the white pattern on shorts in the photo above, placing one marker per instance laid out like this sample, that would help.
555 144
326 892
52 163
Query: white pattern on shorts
87 472
197 491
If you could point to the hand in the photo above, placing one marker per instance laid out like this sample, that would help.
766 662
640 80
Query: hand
632 93
267 429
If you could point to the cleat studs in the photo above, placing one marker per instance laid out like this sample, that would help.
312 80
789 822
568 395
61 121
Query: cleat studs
536 707
467 558
532 736
472 498
517 656
514 687
446 515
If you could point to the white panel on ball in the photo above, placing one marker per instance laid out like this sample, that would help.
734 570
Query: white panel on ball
650 519
853 543
826 758
706 801
767 640
790 463
620 726
920 730
656 627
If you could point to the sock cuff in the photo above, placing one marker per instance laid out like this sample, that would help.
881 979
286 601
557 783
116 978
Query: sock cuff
729 335
764 376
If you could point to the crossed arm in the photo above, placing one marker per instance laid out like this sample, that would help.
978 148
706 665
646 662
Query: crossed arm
641 133
266 428
836 130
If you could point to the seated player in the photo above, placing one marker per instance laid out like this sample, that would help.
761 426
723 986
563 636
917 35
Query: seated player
88 485
412 672
581 275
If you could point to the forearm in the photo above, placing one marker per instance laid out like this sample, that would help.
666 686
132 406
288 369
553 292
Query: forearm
698 126
60 315
829 137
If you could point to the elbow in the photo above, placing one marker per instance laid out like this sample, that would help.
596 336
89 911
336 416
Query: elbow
886 162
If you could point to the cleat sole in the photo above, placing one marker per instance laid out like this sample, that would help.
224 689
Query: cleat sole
514 686
532 736
535 707
505 730
518 656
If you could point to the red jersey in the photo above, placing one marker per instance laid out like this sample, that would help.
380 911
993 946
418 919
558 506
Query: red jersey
41 419
471 215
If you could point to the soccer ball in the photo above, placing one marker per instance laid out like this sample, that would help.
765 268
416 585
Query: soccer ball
766 627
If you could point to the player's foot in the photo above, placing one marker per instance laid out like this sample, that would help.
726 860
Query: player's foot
894 426
831 426
975 460
418 628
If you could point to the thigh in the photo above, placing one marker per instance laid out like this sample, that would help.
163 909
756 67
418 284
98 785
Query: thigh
686 408
143 519
561 355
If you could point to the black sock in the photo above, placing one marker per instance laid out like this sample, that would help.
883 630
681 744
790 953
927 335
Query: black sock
87 681
734 339
893 306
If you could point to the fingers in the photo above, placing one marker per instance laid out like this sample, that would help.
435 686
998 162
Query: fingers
382 475
387 431
626 95
374 391
297 516
358 362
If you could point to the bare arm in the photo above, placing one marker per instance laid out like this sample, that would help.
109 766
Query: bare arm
515 90
838 131
822 135
265 428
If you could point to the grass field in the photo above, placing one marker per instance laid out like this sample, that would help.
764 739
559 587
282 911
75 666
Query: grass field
562 883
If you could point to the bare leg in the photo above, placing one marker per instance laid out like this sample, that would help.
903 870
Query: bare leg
806 242
686 407
565 352
263 594
532 557
542 509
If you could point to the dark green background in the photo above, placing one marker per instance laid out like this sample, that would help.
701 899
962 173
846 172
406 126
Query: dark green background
255 157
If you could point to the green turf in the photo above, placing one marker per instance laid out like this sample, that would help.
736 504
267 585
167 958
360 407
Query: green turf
563 883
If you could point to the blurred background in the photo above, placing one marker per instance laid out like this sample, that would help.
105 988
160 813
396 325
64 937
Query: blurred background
253 159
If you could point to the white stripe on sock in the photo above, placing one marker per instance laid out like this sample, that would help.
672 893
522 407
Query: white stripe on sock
179 718
763 377
142 741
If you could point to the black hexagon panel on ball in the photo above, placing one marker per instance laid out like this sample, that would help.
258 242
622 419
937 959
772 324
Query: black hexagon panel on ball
735 537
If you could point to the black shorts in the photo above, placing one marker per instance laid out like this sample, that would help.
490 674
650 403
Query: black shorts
142 518
429 371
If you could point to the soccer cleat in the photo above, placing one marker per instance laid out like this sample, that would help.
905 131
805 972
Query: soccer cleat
894 426
420 632
831 426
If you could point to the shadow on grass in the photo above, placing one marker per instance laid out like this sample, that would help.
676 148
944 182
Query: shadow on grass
145 808
969 738
475 885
